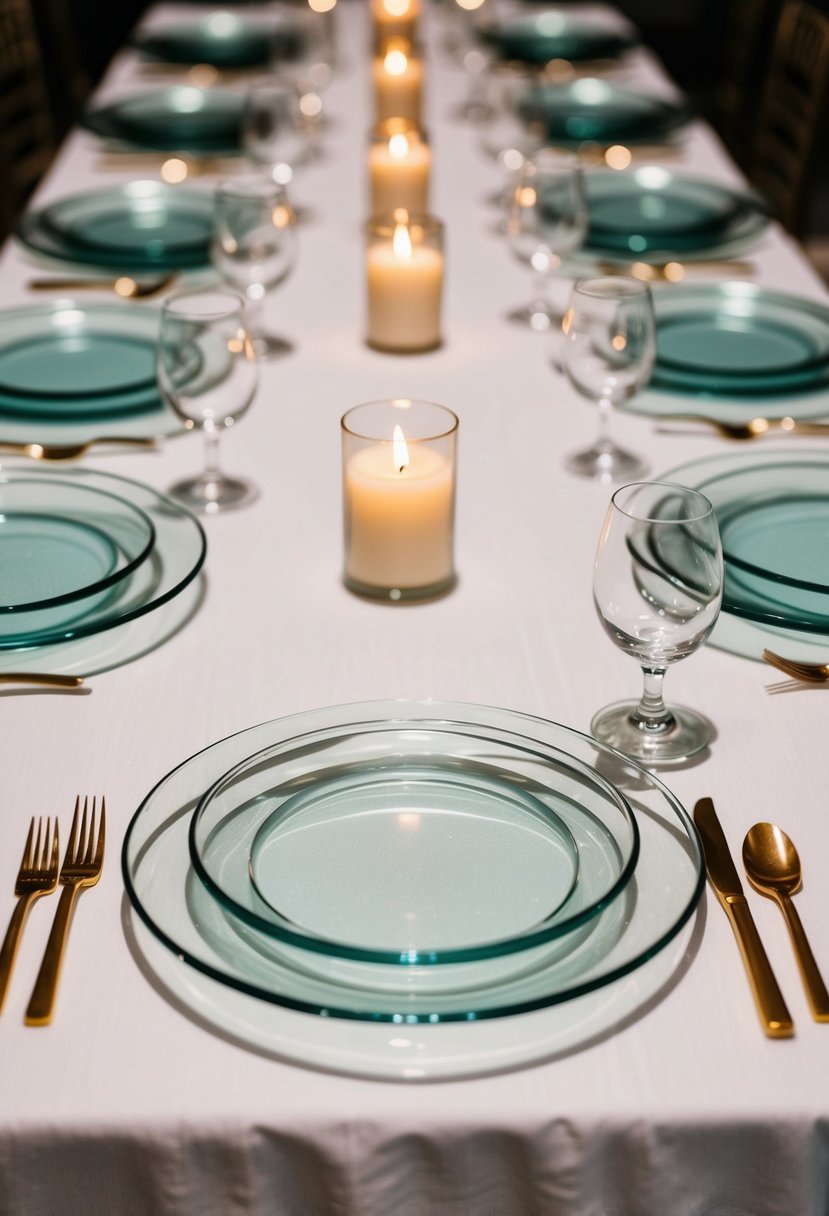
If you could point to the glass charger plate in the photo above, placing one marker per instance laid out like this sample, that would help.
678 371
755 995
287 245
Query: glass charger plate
176 558
222 40
179 119
592 110
654 214
554 35
142 226
67 361
173 903
464 842
62 544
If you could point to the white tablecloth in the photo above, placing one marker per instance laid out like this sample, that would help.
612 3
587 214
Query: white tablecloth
126 1104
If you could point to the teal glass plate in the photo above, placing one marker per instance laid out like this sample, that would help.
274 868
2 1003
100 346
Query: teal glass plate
590 110
198 929
175 560
62 545
69 361
653 213
222 40
141 226
464 844
178 119
540 37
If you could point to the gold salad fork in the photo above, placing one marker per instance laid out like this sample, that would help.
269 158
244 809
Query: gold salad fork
82 865
812 673
38 875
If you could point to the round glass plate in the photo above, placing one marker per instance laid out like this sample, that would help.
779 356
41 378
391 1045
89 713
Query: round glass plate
175 560
60 544
222 40
73 361
139 227
463 842
651 213
594 110
165 891
183 118
554 35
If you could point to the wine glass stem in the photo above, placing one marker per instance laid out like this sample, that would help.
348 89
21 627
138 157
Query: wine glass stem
212 472
651 715
603 441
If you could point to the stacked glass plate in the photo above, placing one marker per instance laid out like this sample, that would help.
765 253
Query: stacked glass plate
409 864
184 118
222 40
538 38
590 110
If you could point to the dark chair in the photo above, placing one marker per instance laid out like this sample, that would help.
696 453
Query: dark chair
745 50
27 136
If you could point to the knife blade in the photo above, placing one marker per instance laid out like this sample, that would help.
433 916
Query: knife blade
722 874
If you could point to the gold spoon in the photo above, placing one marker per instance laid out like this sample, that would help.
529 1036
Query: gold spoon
124 286
71 451
40 677
773 867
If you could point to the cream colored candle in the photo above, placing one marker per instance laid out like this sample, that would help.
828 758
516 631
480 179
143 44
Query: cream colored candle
399 505
398 83
399 169
394 19
405 285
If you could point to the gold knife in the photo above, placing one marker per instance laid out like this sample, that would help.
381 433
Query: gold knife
723 876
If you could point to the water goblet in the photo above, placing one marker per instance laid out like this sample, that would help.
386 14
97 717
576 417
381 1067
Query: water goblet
274 134
207 374
547 223
254 247
657 588
608 351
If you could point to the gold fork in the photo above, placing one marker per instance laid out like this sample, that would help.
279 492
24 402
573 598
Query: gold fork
71 451
38 875
756 428
812 673
82 865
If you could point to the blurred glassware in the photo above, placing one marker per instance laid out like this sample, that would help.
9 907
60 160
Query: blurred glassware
472 54
274 134
505 137
254 247
608 351
547 223
207 374
312 68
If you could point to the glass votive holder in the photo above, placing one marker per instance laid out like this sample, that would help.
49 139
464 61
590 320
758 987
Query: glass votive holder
394 19
399 460
404 279
399 167
397 76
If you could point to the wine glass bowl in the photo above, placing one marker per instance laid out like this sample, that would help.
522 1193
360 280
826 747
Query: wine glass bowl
657 589
274 132
608 352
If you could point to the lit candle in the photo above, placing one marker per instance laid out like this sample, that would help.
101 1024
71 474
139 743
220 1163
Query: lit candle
399 499
394 19
399 165
398 83
404 269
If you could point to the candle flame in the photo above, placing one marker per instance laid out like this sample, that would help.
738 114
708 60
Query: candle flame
400 449
399 146
396 63
401 242
321 6
396 8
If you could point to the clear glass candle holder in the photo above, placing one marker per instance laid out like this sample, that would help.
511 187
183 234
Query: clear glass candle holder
399 459
404 279
397 78
399 167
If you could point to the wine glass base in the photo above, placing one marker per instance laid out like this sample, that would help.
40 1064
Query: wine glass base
214 495
539 317
617 726
271 346
606 462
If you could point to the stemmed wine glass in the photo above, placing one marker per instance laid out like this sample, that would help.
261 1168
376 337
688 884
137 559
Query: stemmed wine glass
547 223
207 373
274 133
657 587
608 351
254 247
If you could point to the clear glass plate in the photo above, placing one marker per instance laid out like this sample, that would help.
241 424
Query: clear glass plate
594 110
540 37
178 119
139 227
651 213
221 40
62 543
656 903
464 843
175 560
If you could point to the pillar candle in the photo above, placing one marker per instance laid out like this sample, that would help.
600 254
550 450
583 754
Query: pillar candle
394 19
398 84
399 170
405 284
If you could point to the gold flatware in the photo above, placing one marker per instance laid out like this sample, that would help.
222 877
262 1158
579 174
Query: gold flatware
675 272
38 875
71 451
756 428
773 867
722 874
124 286
812 673
40 677
82 865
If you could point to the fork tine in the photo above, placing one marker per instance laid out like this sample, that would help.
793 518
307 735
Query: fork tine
99 847
802 671
73 834
54 860
26 862
82 835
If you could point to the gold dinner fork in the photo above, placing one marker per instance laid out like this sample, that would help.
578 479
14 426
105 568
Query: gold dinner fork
38 875
756 428
812 673
71 451
82 864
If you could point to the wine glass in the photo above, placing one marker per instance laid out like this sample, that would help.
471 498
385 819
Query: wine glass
657 587
274 134
547 223
254 247
207 373
506 138
608 350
